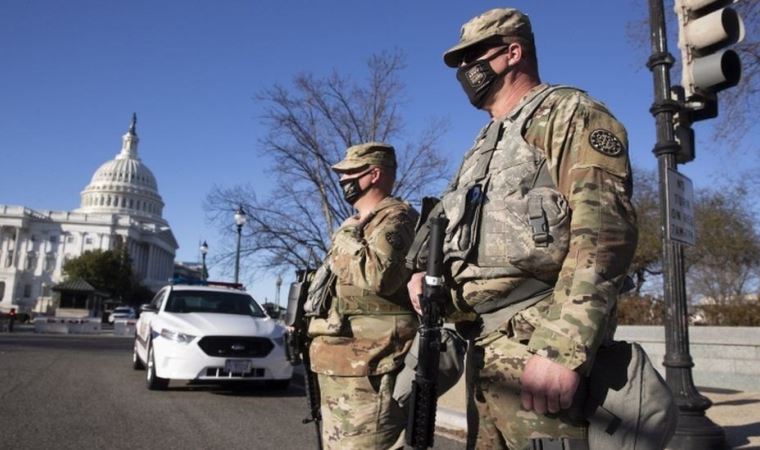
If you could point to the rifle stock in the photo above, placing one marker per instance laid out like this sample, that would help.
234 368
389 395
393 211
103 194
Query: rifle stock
297 347
421 426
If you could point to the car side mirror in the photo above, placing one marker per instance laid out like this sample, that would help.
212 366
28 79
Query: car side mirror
147 307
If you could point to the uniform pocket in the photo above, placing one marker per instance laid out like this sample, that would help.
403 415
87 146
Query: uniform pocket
462 208
529 232
542 248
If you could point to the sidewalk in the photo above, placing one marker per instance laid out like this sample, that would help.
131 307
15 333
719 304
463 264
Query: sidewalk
738 413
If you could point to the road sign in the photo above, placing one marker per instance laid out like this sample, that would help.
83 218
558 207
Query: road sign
680 217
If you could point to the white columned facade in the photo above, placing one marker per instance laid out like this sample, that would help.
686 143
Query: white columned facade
43 240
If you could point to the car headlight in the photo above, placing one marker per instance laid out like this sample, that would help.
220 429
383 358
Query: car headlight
176 336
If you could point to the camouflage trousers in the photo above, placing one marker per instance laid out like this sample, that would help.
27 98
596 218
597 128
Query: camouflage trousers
360 413
496 419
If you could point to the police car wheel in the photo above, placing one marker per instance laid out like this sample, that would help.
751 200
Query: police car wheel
153 381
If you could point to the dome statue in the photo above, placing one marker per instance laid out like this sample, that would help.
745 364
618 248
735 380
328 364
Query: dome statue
124 185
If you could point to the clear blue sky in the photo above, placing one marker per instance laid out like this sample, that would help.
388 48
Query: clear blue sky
73 72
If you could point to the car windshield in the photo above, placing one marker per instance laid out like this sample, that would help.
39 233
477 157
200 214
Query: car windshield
122 310
213 302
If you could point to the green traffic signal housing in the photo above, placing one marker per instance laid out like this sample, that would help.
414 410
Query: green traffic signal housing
705 29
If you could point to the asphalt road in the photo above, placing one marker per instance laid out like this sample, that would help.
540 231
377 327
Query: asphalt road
80 392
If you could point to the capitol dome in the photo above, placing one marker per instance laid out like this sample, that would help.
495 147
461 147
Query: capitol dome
124 185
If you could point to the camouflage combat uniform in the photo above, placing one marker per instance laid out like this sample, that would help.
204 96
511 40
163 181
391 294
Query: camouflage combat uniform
358 363
496 241
541 233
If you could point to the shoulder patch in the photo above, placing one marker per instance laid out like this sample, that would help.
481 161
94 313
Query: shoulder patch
605 142
395 240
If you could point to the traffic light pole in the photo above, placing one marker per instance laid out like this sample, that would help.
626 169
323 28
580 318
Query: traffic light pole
694 431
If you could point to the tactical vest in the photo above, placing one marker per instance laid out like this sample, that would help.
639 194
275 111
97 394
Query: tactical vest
506 217
352 300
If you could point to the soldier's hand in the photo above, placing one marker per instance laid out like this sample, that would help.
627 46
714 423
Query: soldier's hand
414 286
547 386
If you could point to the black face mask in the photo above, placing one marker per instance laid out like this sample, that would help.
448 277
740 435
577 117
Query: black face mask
351 189
477 78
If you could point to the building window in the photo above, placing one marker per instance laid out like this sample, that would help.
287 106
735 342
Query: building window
27 290
88 240
31 260
50 262
45 290
2 290
69 239
9 259
53 239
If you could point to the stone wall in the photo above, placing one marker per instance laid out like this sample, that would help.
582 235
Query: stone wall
724 357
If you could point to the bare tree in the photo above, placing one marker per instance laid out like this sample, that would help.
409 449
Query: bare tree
736 105
311 122
724 264
647 260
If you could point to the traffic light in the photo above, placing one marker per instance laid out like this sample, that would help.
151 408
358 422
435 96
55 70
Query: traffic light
682 130
705 28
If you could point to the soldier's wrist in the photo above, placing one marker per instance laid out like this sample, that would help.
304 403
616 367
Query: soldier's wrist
558 348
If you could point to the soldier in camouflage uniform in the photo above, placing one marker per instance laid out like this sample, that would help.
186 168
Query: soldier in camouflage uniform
540 237
359 348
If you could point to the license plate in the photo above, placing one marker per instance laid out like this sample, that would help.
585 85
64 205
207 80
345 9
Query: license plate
237 365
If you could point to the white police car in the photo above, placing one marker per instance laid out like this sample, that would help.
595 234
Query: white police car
209 334
121 312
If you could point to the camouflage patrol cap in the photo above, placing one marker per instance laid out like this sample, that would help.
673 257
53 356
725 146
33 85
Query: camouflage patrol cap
367 154
496 22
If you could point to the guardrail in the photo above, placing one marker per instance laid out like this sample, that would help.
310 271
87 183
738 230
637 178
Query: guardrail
67 325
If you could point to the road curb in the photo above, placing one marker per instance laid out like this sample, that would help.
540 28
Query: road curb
452 424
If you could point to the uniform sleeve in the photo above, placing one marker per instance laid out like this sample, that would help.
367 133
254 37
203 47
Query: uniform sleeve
375 262
587 152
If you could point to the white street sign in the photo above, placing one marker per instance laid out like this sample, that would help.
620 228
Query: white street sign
680 218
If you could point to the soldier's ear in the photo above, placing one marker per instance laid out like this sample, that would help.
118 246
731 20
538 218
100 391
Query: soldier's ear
514 53
377 173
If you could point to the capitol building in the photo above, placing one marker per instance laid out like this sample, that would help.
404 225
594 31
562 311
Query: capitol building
120 206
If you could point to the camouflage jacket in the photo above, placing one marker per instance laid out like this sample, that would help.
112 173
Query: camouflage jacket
586 153
378 323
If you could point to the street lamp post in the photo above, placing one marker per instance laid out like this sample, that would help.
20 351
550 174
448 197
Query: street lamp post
695 430
204 250
239 221
278 284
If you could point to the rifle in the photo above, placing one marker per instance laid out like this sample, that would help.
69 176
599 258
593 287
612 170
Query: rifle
420 428
297 345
